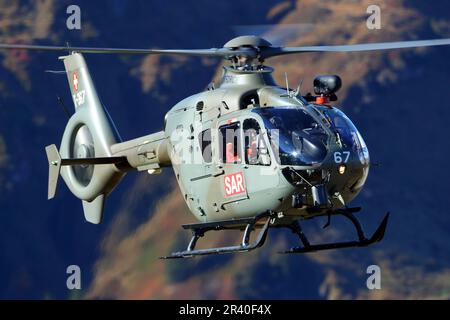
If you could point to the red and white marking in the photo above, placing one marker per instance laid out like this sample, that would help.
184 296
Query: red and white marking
75 81
234 184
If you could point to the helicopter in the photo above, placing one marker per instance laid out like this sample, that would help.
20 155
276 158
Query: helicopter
247 155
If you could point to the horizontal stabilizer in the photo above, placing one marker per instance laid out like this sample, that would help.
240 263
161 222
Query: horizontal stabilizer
89 161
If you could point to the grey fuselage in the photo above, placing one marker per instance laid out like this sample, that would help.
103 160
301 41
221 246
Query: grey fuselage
216 190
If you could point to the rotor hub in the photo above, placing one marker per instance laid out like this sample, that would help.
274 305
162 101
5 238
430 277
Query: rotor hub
248 51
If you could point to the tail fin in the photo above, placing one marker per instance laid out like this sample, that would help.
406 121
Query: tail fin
93 210
54 168
84 159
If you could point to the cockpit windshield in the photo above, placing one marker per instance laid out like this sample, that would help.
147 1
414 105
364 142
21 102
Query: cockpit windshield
347 134
296 137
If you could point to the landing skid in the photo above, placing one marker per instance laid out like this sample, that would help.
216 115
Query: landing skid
263 222
246 224
361 242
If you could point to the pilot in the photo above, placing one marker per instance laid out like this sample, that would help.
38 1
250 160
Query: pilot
231 154
252 147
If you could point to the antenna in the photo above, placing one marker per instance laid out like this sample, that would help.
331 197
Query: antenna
297 91
56 71
287 83
63 106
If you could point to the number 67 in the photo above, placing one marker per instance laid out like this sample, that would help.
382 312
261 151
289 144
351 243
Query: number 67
340 157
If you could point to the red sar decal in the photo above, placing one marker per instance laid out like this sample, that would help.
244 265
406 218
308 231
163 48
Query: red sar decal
234 184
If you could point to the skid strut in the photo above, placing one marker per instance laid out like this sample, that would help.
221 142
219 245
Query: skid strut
246 224
361 242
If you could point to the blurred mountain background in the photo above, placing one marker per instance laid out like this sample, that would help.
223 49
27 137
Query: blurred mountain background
397 99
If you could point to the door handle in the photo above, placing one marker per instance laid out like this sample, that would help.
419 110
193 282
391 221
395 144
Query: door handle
218 172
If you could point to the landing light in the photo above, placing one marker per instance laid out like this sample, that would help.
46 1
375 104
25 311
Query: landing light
342 169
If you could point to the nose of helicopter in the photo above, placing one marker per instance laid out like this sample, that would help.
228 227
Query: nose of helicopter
333 183
347 172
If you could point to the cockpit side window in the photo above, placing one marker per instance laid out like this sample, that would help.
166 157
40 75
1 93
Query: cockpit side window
230 139
204 139
256 152
251 98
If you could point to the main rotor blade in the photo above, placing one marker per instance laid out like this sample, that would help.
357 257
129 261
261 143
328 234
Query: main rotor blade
217 52
271 52
227 53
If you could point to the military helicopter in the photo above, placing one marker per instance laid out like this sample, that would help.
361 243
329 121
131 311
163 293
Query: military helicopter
247 154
